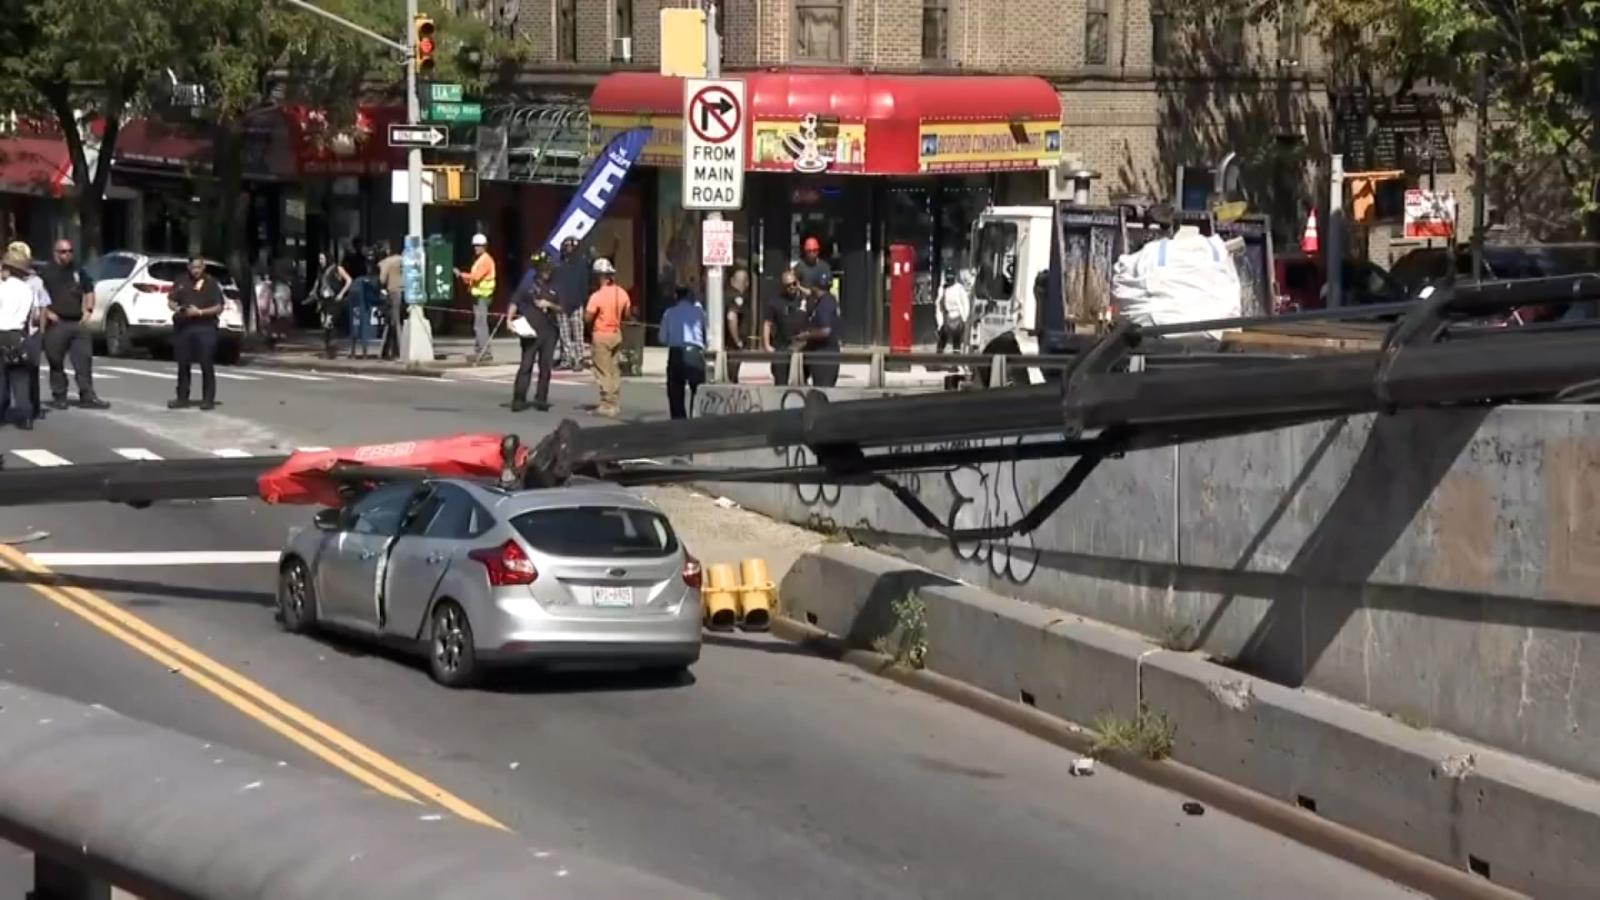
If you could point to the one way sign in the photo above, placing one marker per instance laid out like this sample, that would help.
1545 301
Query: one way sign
415 136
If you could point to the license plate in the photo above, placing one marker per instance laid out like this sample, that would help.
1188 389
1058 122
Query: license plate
613 596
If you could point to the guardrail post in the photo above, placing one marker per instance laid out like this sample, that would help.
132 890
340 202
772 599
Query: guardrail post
875 370
54 880
797 369
997 371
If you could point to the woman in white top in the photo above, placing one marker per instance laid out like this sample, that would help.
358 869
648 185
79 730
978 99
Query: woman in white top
19 313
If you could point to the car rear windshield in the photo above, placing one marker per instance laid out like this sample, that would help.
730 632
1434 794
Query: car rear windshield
597 531
170 270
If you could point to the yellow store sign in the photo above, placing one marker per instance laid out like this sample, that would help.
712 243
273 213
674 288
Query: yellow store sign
665 147
961 146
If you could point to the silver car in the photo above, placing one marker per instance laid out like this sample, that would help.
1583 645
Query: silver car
473 575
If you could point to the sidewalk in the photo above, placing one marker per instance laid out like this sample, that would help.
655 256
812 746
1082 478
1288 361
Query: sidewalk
453 356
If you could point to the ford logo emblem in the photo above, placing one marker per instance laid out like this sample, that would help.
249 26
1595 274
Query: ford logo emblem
617 573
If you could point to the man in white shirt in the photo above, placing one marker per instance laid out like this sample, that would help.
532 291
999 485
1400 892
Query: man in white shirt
683 330
953 308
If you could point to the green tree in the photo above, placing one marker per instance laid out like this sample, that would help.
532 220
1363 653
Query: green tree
1541 60
63 63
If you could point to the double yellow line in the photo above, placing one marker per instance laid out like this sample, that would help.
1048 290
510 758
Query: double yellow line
300 727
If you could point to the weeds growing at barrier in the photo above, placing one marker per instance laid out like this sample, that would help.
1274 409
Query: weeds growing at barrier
1149 735
907 645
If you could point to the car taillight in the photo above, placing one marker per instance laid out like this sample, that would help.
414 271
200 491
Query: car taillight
508 564
691 571
145 287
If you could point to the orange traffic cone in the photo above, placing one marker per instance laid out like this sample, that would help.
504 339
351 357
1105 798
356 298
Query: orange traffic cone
1309 242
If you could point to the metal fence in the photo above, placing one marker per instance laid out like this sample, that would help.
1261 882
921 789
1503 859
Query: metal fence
105 801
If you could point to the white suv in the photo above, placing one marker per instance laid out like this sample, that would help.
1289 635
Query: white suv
130 307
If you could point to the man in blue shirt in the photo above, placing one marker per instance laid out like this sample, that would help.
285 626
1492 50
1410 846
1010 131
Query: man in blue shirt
683 330
535 300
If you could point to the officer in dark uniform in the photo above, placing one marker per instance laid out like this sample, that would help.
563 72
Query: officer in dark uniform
536 301
71 301
196 302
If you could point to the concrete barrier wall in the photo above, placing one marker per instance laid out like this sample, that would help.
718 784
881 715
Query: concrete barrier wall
1441 566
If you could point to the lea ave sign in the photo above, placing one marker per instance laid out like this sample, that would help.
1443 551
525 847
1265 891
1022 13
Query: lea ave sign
714 135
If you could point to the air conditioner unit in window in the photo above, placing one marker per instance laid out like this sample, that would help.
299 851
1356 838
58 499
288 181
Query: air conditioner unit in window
622 49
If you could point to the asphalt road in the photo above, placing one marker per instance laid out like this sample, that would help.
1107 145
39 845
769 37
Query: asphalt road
769 773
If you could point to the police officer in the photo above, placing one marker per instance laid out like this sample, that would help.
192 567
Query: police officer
536 302
196 302
71 301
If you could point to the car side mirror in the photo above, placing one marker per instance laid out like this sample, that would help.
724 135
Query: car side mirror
329 519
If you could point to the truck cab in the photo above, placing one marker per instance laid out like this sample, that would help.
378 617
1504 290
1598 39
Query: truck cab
1009 252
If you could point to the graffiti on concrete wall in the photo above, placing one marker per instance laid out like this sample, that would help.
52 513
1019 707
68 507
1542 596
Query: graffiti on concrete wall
812 495
730 401
983 497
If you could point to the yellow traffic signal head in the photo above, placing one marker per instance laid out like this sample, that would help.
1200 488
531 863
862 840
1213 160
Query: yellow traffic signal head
424 43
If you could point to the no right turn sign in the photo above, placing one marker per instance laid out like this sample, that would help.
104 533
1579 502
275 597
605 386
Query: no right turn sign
714 129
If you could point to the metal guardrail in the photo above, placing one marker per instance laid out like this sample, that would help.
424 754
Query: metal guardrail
103 800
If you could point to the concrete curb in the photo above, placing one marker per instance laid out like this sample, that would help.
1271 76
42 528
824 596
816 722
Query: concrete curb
1403 803
316 364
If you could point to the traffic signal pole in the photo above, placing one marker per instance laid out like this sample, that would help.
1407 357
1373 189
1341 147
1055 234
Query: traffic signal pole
417 339
715 315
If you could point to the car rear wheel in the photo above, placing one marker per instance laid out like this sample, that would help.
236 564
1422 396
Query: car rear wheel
297 602
118 342
452 655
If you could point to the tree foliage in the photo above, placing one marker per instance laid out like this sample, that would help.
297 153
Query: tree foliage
1541 59
75 63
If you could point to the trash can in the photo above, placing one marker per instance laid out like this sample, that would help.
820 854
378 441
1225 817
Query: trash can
632 356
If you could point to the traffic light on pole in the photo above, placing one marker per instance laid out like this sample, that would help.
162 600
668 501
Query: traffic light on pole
423 41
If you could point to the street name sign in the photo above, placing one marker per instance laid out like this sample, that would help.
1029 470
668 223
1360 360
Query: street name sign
716 242
416 135
456 113
439 92
714 137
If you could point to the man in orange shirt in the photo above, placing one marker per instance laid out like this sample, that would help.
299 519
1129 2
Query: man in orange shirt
608 306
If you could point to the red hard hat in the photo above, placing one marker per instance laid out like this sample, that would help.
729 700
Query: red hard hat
813 244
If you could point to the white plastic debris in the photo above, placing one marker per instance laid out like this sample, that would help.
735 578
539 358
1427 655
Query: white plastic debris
1083 765
725 503
514 766
430 817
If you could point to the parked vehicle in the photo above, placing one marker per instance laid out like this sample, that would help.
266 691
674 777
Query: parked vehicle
473 575
131 304
1302 284
1431 265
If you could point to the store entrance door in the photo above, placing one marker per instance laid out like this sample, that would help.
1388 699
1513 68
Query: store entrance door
836 213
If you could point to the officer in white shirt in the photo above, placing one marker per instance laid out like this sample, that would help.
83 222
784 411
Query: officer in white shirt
19 315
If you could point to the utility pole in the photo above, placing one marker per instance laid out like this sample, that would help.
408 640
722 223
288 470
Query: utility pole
413 116
714 304
1335 251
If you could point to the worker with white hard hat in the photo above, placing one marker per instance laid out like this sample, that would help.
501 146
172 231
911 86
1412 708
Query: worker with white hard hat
609 306
480 281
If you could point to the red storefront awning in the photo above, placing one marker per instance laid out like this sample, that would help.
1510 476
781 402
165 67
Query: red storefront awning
35 165
864 124
144 142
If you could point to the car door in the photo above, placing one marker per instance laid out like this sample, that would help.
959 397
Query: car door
437 535
351 567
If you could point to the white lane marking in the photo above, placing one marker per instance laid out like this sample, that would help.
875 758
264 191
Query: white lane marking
232 453
355 376
312 449
72 374
267 373
231 376
145 372
135 453
175 558
42 458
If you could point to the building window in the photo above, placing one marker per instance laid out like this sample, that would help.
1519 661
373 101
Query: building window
1291 24
1096 33
1230 42
935 30
819 30
1161 35
567 30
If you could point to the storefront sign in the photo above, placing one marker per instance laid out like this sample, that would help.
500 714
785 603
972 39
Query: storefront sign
1430 214
599 187
809 145
716 242
714 135
665 147
988 146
